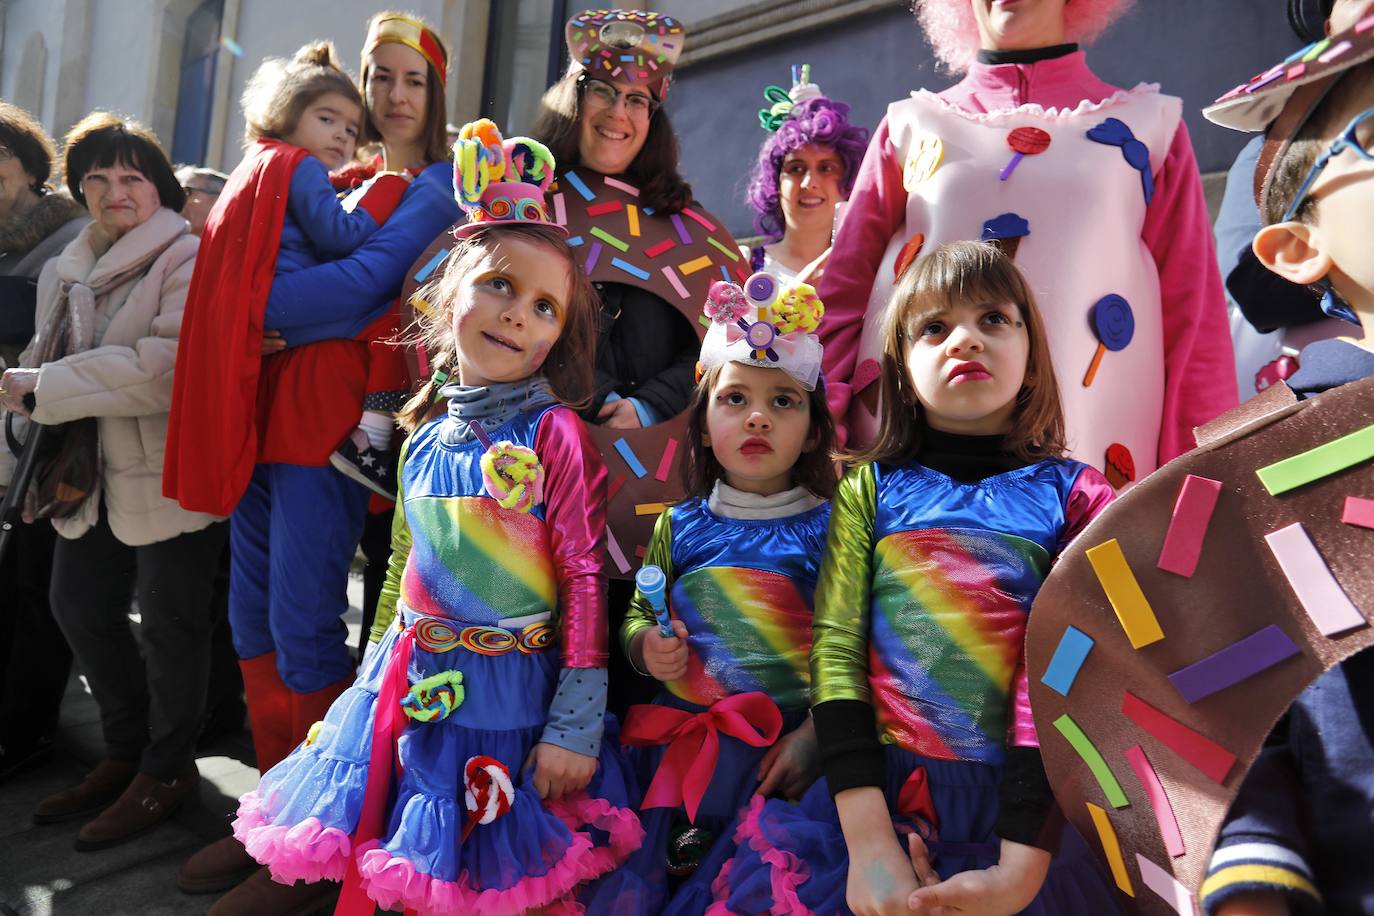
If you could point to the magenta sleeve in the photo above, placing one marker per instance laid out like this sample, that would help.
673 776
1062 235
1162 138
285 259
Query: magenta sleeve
877 208
1089 495
575 516
1199 362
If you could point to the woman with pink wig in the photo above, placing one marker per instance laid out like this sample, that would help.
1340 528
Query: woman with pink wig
1094 189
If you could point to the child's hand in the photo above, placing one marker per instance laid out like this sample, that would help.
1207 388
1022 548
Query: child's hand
881 880
272 342
665 658
1005 888
792 764
559 771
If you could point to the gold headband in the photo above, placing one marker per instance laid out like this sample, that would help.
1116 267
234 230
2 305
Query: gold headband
414 35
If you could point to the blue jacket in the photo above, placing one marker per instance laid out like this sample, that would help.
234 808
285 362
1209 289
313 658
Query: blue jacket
338 299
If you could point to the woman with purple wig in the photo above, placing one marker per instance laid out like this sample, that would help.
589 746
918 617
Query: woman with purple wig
805 170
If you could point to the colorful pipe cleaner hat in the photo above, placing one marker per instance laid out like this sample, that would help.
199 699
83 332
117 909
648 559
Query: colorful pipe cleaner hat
1281 99
763 324
412 33
632 45
782 102
498 181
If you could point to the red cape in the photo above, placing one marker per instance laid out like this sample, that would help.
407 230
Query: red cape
212 439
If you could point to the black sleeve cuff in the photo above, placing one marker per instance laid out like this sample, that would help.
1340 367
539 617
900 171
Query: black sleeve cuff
851 756
1025 804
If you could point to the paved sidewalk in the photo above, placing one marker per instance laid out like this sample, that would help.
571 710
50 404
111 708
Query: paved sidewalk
41 874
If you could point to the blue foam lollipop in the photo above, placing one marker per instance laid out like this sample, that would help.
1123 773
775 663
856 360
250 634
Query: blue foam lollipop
652 584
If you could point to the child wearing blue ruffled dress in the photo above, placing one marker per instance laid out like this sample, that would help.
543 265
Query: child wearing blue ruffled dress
463 772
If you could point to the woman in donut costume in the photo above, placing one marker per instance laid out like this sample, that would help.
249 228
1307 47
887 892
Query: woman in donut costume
1092 188
463 772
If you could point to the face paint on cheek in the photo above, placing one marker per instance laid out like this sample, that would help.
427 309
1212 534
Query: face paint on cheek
537 356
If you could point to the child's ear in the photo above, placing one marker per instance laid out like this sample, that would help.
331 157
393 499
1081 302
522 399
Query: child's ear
1294 251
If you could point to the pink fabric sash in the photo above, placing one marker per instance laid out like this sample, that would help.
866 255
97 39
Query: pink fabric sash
387 726
693 741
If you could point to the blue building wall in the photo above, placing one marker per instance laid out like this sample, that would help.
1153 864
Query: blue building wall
1196 49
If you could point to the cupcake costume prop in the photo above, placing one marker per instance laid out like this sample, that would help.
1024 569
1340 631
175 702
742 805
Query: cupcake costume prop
1095 192
742 583
921 607
414 788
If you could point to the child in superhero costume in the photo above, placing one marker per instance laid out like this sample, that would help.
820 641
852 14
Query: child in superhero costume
738 560
939 537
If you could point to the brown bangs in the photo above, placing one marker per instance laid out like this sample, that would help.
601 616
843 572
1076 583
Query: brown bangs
952 276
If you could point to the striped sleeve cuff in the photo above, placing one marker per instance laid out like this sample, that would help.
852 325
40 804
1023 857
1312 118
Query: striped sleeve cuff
1256 867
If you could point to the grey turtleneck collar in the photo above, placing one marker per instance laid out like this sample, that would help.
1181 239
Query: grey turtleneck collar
493 405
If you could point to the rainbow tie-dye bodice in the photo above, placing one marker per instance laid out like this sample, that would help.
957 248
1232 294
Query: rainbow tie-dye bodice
744 589
952 570
470 560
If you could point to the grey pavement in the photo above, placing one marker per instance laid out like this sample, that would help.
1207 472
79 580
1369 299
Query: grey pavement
41 873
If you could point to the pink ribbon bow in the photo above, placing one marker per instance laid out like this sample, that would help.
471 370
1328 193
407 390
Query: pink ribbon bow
693 741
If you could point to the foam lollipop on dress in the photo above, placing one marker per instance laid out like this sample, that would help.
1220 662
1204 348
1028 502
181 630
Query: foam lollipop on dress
511 473
489 792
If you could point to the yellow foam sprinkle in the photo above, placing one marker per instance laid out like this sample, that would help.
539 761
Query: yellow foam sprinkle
1123 591
1107 834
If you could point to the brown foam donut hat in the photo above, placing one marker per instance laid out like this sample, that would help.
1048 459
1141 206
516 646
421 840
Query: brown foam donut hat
1186 618
674 256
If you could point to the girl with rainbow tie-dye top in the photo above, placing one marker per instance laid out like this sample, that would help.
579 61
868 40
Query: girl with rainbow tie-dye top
463 772
740 557
939 538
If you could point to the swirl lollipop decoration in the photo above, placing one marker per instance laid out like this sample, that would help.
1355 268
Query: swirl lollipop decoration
1113 324
1024 141
479 158
433 698
488 791
798 308
511 474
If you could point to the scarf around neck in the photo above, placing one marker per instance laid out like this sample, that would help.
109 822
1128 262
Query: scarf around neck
492 405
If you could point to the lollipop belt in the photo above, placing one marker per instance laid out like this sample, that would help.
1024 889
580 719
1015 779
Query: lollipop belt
439 634
693 741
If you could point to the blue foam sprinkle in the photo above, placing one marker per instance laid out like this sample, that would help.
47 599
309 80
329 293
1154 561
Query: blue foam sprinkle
630 269
725 272
631 459
1073 649
575 241
579 186
429 268
647 211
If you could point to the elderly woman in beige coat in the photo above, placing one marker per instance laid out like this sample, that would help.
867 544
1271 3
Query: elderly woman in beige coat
123 282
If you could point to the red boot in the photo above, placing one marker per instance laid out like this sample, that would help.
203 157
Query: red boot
269 710
309 708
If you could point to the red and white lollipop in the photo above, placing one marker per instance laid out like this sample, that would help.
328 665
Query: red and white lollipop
489 791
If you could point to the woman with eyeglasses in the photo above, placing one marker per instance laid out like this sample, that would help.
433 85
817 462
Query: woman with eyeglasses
650 249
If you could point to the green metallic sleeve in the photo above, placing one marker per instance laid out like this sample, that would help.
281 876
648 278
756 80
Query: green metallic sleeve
396 564
839 649
640 615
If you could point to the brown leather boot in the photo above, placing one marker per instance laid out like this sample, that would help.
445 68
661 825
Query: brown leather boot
146 803
216 868
261 896
96 792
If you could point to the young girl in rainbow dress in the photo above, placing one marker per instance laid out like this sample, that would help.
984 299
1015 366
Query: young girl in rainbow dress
739 557
939 537
487 680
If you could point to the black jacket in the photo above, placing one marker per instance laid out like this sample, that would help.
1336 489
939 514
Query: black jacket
645 349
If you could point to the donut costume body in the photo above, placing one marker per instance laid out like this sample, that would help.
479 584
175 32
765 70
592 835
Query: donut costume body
1094 190
487 601
921 609
743 587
